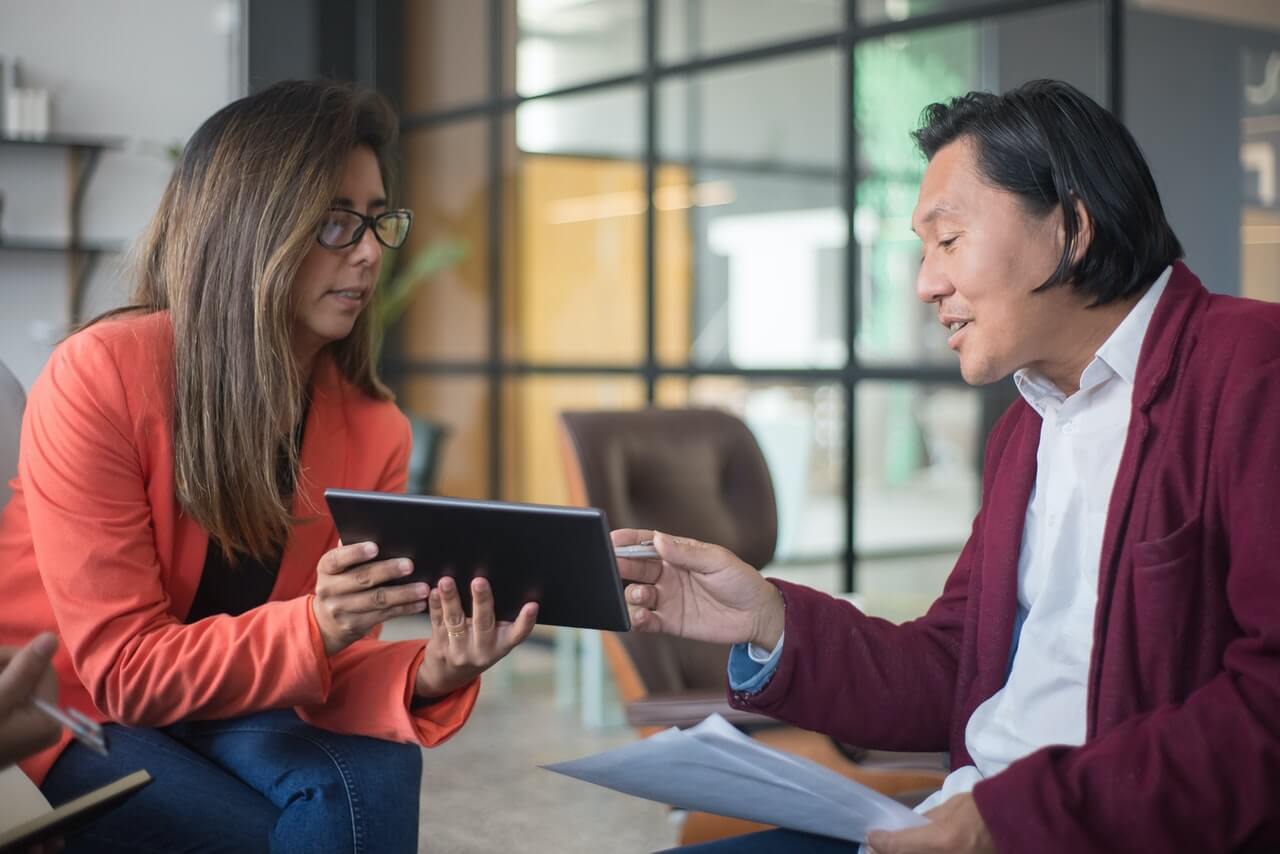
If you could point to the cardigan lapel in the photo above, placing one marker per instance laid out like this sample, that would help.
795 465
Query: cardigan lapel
1157 367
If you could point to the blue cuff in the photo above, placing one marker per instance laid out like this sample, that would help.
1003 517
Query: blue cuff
747 675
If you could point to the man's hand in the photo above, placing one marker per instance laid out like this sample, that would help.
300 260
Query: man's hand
463 647
955 827
699 591
25 673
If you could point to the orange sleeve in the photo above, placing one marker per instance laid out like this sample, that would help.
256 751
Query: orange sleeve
92 527
373 680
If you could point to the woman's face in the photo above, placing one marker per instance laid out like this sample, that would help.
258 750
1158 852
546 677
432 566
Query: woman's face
334 285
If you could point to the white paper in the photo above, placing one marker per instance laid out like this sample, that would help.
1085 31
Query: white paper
714 768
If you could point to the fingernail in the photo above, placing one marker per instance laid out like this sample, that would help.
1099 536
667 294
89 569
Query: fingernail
446 584
421 590
635 595
479 585
405 566
420 606
370 549
45 644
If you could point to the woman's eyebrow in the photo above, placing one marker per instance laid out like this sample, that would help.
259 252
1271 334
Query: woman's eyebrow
344 202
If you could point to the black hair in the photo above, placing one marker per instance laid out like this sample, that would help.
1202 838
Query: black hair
1050 145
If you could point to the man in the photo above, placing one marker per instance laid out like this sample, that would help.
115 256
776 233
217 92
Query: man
1104 661
26 672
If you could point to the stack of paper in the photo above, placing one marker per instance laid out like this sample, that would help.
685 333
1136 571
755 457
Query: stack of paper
715 768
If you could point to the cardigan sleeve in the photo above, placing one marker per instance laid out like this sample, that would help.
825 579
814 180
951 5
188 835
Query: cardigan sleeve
92 531
373 680
862 679
1202 775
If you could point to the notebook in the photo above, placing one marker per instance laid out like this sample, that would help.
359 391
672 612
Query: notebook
72 815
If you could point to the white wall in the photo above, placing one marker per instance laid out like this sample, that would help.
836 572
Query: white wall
147 70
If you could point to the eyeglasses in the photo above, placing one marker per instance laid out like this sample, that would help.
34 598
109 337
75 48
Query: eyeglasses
343 227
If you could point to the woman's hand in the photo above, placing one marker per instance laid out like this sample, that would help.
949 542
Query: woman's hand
351 601
27 672
462 648
699 591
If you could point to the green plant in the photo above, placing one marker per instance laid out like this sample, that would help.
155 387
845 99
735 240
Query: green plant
398 284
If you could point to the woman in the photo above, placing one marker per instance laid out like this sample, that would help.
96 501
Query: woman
168 518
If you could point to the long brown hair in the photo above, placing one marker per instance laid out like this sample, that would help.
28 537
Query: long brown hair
235 222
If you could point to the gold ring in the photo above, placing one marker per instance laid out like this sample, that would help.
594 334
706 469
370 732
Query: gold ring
455 633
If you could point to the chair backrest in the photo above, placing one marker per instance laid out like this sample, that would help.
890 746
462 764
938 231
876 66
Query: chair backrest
693 472
12 401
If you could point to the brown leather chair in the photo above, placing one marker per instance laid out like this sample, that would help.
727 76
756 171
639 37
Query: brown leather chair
700 473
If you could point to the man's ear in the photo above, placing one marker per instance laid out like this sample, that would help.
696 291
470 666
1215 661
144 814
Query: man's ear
1084 230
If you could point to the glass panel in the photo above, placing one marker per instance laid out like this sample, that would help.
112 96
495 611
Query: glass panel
446 54
531 434
884 11
695 28
575 292
901 588
896 77
454 415
447 182
560 43
801 431
919 451
1219 66
760 151
1259 158
606 123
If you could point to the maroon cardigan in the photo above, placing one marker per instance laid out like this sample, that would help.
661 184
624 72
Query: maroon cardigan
1182 750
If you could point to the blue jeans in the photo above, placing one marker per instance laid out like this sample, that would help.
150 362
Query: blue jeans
263 782
773 842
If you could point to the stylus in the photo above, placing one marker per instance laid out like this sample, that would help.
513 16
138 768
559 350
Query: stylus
640 551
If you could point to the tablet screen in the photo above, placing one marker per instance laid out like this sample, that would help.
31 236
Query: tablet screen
559 557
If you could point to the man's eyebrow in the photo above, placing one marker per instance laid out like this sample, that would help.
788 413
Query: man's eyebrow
940 209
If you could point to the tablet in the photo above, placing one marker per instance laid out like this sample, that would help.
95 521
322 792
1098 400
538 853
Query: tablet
559 557
73 814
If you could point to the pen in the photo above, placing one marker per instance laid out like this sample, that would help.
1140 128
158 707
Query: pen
86 730
639 551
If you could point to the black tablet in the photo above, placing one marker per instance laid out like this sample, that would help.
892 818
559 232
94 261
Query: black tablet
559 557
60 821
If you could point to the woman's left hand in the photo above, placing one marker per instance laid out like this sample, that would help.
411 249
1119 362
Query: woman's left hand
463 647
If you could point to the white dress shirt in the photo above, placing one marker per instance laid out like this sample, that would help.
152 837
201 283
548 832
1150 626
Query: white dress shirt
1081 440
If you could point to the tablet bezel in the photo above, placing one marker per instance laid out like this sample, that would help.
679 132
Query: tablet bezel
576 579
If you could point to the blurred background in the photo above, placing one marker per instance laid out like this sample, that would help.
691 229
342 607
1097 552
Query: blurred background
664 203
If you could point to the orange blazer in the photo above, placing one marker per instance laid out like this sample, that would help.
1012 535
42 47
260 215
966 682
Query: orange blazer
94 546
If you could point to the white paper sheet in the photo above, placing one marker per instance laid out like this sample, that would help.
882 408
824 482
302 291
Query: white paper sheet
714 768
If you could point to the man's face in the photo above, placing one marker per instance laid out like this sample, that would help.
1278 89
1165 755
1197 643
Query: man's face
984 254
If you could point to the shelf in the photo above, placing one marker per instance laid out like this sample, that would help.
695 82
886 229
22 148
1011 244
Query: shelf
66 140
35 244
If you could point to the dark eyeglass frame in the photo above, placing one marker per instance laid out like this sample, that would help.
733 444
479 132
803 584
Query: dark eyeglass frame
367 223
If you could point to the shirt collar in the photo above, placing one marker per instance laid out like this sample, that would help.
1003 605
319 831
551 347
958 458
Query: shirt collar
1117 356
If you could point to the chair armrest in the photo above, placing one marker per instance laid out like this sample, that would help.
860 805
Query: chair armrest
686 708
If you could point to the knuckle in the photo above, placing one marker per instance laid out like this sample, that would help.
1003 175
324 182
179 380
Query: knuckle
364 577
